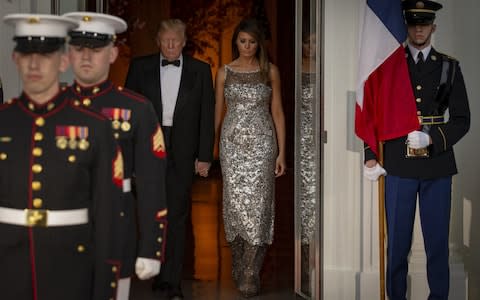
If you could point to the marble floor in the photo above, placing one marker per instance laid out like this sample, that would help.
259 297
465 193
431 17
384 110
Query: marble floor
208 262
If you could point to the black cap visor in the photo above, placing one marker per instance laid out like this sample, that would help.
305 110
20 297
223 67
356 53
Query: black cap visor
38 44
419 18
89 39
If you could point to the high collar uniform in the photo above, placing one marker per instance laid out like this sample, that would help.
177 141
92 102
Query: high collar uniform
60 158
140 137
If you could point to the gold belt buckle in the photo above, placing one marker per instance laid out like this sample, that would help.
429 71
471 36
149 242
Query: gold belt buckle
36 217
421 153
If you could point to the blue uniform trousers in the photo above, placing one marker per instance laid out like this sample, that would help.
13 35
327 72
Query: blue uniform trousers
434 196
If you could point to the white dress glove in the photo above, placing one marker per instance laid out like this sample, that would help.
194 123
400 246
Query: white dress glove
146 268
418 139
374 172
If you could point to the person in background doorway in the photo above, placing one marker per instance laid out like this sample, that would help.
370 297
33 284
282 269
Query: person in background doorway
181 90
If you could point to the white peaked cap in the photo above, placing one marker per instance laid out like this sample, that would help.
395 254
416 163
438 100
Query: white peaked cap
40 25
97 22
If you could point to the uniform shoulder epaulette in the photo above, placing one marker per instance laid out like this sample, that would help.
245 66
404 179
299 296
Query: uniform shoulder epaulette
8 103
131 94
448 57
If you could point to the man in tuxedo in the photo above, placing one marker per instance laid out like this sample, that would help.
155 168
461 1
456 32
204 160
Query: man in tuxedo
181 90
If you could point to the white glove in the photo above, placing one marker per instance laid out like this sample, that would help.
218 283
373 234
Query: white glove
146 268
374 172
418 140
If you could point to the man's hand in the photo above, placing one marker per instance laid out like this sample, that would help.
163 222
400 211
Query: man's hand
372 170
418 139
201 168
146 268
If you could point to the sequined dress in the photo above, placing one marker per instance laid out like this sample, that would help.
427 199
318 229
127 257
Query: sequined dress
307 158
248 150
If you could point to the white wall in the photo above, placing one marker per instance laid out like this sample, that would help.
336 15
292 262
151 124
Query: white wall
8 71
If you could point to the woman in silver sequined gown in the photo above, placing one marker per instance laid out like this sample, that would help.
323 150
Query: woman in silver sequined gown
252 143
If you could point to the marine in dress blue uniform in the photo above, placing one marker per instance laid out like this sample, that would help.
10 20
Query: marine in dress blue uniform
60 170
422 164
140 137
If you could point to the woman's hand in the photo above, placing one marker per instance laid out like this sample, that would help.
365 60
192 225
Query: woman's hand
280 166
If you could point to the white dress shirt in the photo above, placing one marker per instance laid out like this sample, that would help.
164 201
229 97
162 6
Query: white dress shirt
170 83
425 51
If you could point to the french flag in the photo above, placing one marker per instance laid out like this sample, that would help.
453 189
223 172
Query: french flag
385 106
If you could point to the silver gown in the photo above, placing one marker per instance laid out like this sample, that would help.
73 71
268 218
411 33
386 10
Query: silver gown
307 158
248 151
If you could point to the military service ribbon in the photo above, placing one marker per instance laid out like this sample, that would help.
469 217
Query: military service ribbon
126 114
72 137
83 144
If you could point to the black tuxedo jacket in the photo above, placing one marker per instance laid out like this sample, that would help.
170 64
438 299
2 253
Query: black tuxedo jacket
192 134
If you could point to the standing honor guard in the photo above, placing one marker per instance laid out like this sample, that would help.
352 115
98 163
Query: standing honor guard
135 125
422 163
60 170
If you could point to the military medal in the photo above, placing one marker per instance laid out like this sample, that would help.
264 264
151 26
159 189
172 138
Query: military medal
83 144
126 113
115 121
61 142
126 126
116 124
60 135
72 137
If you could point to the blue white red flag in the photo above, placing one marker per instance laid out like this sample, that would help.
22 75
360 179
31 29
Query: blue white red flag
385 106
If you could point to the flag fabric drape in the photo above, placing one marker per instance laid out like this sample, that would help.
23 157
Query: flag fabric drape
385 106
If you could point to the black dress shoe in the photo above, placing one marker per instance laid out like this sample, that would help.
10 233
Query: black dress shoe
175 293
160 286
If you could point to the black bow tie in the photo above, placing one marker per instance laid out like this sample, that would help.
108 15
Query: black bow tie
176 62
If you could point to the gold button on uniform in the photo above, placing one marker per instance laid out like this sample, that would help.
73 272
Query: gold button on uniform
116 135
418 100
31 106
76 102
40 121
38 136
113 284
3 156
159 240
36 185
419 87
158 253
50 106
161 226
122 214
81 248
72 158
37 152
37 203
114 269
87 102
36 168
